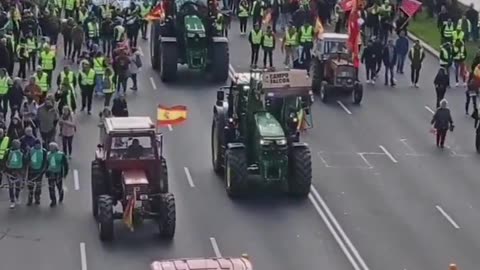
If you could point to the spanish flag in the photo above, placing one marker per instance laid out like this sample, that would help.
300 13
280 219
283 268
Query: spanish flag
157 13
128 211
171 115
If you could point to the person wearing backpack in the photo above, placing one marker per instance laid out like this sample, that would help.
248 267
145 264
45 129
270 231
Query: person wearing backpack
135 65
121 67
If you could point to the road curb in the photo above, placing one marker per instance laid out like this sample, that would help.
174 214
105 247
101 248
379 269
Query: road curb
427 47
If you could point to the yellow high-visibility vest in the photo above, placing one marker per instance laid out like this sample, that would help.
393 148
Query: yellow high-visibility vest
243 12
47 60
112 86
4 85
256 37
307 34
4 147
448 31
70 5
144 10
42 82
88 79
98 65
31 45
268 41
291 40
68 76
93 30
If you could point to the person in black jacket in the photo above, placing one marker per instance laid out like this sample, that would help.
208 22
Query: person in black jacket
471 95
370 58
442 122
4 54
119 107
389 60
441 84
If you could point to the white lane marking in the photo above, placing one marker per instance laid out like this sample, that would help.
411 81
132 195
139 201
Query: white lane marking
189 177
445 215
429 109
365 160
231 69
153 83
215 247
344 107
83 256
323 160
341 231
388 154
75 179
170 127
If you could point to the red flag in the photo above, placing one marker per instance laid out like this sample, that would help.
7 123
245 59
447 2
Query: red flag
346 5
410 7
354 33
157 13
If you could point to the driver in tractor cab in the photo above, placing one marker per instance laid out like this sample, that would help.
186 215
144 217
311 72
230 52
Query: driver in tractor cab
135 150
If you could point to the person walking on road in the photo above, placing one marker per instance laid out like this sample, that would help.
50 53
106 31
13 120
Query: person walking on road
5 85
416 55
48 63
370 58
289 46
86 81
15 129
67 130
255 39
459 56
441 84
471 95
268 45
442 122
47 120
243 16
37 161
389 61
446 58
135 66
109 82
401 46
57 169
14 166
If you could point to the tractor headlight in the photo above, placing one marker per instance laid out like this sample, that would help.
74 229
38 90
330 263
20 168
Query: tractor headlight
281 142
143 197
265 142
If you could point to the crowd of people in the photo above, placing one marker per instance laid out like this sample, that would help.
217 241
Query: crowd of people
99 47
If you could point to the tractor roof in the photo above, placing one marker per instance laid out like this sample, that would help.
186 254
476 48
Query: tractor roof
203 264
334 36
129 125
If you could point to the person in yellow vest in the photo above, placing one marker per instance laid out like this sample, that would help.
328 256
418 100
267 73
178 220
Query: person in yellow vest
14 166
5 85
144 10
86 82
268 45
82 15
257 12
255 39
22 56
93 32
446 58
70 6
65 96
36 162
32 51
447 31
220 24
57 170
41 79
459 56
106 11
4 145
243 16
306 41
118 33
458 34
59 5
465 25
109 83
48 62
99 65
67 75
289 45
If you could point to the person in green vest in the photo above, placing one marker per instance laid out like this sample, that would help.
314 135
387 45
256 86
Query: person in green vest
57 169
67 75
41 79
118 33
70 8
289 45
14 166
99 65
37 160
5 86
4 145
255 39
86 82
220 24
459 56
144 10
268 45
306 41
465 25
109 83
243 16
93 28
446 58
458 34
48 62
447 31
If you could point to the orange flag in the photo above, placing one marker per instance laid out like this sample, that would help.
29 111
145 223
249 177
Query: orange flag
171 115
128 211
157 13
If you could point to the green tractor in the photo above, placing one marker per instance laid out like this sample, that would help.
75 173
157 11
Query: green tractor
256 132
188 35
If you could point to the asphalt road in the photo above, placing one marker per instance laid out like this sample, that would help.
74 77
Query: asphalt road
384 197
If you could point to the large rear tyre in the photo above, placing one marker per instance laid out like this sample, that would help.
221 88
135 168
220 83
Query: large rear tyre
220 62
105 217
477 142
217 157
97 184
155 51
300 172
167 220
236 175
315 70
169 57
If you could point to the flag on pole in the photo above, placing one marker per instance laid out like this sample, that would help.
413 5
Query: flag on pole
157 13
128 211
354 33
410 7
171 115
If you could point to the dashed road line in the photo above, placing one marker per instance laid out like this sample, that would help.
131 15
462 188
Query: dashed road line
445 215
388 154
83 256
362 156
189 177
429 109
170 127
75 180
336 230
344 107
153 83
215 247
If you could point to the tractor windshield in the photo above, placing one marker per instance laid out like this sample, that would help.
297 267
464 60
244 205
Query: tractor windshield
334 46
132 148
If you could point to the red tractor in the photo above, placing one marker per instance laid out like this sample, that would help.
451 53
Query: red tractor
129 168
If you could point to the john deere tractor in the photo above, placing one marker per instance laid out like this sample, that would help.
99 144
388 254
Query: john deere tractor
256 132
187 35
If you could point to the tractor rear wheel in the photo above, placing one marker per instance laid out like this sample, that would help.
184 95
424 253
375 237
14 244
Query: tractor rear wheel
164 176
155 52
324 92
220 62
98 185
300 172
167 220
105 217
236 174
315 70
217 157
477 142
169 57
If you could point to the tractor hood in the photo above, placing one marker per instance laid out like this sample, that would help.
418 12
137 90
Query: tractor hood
268 127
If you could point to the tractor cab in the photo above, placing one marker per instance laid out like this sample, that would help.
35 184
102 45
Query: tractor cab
331 44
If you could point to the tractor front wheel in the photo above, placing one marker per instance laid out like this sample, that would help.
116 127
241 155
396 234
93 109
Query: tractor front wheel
315 70
167 220
97 185
168 52
236 175
155 46
324 92
105 217
300 172
477 142
217 157
357 94
220 62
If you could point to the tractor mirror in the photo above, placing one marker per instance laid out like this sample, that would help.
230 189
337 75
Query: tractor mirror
220 96
99 145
